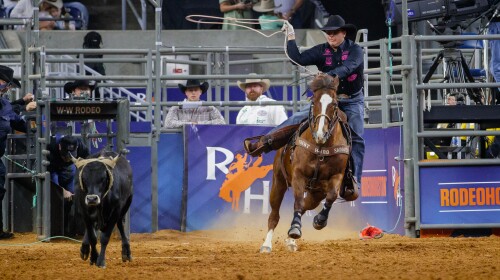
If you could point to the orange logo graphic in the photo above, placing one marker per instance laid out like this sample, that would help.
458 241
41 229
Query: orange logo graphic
373 186
241 176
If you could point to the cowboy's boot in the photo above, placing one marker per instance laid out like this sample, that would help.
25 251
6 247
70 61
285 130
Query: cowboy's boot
350 189
269 142
350 185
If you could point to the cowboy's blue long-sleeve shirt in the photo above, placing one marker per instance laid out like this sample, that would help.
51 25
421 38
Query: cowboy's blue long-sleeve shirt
7 114
346 62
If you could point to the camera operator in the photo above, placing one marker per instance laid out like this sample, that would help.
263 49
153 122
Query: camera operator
494 28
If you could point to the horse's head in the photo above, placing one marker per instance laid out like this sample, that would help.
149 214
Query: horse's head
324 107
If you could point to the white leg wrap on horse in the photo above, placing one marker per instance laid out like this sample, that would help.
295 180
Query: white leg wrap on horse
291 244
269 239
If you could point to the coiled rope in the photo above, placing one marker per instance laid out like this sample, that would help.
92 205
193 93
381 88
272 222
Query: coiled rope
243 22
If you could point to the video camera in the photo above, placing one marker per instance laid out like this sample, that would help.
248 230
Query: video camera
454 11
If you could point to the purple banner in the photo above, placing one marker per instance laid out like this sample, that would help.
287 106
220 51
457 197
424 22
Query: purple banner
225 185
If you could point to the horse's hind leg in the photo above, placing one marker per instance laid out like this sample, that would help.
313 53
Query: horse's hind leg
276 197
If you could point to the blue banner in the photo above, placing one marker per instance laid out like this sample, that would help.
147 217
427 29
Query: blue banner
460 195
226 185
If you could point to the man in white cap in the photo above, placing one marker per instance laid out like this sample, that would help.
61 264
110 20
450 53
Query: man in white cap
261 115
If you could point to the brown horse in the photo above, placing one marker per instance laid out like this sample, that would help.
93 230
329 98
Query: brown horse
313 165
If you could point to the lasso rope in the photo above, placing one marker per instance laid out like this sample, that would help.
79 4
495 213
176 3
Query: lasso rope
241 23
33 175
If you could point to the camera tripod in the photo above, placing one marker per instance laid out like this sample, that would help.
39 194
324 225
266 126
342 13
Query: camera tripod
456 71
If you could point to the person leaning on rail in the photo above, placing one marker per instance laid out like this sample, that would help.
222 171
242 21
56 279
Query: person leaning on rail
8 119
62 172
340 57
191 112
263 114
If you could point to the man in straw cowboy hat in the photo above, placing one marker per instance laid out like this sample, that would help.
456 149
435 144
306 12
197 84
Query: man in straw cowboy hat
193 113
338 57
264 115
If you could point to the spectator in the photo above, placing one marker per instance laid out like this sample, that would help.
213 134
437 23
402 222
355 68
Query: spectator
9 3
7 119
262 115
79 89
93 40
493 150
235 10
268 20
290 10
24 9
338 57
62 170
47 23
494 28
191 112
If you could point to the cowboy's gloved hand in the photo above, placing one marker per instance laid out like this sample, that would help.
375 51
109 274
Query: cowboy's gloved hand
31 106
28 97
287 28
67 195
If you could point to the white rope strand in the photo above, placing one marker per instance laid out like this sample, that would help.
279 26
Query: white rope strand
241 23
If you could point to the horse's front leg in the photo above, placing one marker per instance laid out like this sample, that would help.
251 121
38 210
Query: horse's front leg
295 230
320 220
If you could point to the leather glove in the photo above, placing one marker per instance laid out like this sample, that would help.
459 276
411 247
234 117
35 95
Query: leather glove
287 28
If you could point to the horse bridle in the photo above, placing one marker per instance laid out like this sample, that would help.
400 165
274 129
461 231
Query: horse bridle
331 120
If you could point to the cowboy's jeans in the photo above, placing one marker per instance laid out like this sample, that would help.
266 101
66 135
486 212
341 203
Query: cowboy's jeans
494 28
353 107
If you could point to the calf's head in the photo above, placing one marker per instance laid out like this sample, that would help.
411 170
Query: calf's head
95 178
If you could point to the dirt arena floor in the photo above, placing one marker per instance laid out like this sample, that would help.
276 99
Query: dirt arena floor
234 254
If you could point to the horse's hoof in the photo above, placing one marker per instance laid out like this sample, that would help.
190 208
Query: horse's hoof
317 224
84 256
265 249
294 233
126 258
291 245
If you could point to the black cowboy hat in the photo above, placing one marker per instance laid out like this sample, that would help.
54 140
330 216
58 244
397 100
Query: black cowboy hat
337 22
69 146
7 74
70 87
194 83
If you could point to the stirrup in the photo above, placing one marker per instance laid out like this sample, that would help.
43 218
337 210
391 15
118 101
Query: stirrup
350 187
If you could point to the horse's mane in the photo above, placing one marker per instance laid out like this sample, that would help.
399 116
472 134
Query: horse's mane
323 81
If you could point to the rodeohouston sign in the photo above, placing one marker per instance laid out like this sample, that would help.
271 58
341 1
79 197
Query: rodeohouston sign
460 195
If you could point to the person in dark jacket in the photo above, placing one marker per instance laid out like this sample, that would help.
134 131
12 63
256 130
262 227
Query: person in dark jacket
61 167
62 174
8 118
339 57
